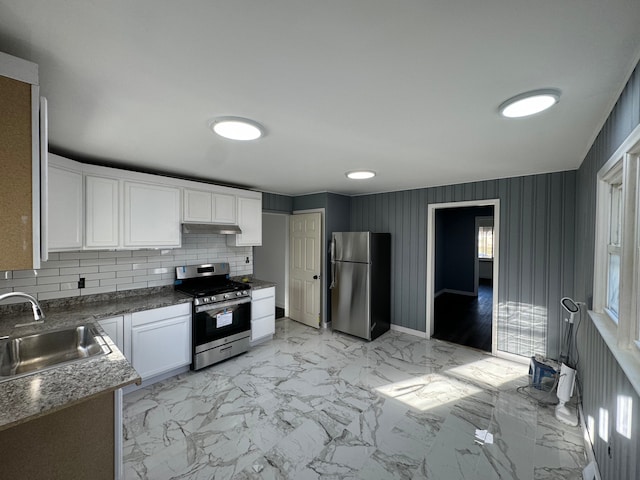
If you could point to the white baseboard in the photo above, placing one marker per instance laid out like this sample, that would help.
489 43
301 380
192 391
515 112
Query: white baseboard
513 357
409 331
460 292
157 378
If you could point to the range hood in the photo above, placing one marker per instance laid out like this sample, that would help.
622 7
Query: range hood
211 228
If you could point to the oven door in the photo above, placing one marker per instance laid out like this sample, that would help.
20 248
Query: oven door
221 320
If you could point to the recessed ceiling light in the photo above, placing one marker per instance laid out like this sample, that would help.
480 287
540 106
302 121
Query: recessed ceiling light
529 103
360 174
237 128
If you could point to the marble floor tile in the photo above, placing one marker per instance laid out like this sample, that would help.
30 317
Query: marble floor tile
315 404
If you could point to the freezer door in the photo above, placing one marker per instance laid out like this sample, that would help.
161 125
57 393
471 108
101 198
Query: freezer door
352 246
350 301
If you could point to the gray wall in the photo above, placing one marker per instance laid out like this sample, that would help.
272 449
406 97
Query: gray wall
536 252
601 380
338 219
269 260
272 202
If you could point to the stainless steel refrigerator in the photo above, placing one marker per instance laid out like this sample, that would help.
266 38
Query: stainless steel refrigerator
361 283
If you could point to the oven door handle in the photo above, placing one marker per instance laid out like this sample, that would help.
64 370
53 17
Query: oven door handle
223 305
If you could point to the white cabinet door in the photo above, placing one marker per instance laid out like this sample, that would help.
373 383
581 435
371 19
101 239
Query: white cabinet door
151 215
114 327
65 209
101 218
197 206
224 208
208 207
263 313
161 340
249 221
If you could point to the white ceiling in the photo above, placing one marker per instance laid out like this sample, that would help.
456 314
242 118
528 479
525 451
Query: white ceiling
409 89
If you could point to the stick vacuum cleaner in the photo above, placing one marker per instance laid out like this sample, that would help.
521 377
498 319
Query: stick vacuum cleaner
566 382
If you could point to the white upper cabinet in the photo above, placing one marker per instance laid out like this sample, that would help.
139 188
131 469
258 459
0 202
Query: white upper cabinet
208 207
249 221
151 215
95 207
102 215
224 208
65 204
196 206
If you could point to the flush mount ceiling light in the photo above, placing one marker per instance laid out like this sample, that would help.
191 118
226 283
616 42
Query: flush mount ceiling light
529 103
360 174
237 128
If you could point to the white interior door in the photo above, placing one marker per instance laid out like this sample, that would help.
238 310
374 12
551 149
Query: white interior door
305 266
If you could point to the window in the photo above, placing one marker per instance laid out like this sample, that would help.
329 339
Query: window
617 259
613 251
485 242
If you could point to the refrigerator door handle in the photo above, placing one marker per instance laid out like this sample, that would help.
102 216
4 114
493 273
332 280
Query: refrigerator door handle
333 263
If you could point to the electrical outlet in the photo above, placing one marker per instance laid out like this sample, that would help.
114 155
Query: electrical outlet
81 283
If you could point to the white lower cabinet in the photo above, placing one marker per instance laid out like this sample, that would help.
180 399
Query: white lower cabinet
263 313
114 327
161 340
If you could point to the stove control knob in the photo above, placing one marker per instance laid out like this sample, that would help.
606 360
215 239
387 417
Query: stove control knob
226 295
238 294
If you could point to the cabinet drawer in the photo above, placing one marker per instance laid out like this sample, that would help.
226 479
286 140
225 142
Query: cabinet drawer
262 308
149 316
263 293
263 327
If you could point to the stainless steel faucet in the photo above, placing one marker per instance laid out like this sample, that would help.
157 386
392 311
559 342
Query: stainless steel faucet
38 316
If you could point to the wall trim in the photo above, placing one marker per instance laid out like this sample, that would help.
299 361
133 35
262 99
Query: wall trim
408 331
513 357
457 292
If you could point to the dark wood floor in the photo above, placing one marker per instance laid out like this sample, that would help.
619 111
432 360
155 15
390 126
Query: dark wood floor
464 319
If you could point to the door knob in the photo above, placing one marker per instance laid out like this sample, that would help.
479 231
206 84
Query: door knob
315 277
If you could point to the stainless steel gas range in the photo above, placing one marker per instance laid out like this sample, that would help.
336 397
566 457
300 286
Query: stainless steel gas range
221 312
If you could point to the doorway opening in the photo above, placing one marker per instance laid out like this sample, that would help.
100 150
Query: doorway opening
462 273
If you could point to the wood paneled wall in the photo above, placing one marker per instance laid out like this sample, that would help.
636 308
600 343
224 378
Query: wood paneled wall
536 252
601 380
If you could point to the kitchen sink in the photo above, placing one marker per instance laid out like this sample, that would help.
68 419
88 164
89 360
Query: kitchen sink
34 353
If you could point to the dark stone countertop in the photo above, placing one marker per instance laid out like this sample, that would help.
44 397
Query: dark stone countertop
32 396
255 283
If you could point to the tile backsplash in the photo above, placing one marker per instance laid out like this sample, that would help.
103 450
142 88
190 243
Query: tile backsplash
107 271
